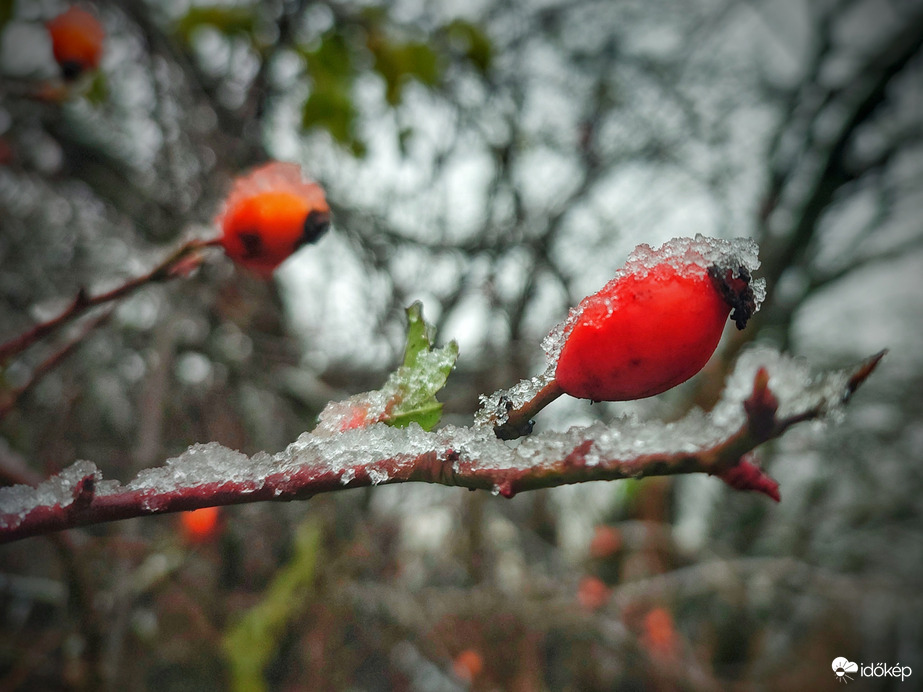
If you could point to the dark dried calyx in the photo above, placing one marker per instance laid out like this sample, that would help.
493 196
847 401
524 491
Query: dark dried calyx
736 292
252 242
315 224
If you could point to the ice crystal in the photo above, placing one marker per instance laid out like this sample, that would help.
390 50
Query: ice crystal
18 500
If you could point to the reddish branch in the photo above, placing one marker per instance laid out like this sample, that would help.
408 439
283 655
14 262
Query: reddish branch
178 263
9 399
441 461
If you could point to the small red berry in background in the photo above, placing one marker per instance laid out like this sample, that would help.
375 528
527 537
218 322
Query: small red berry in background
659 633
269 213
657 322
606 541
76 41
200 525
592 593
468 665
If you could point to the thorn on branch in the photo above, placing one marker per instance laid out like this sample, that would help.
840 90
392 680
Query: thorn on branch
84 492
761 407
862 373
82 299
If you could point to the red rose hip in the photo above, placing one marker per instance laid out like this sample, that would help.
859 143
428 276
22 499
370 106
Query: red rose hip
271 212
658 321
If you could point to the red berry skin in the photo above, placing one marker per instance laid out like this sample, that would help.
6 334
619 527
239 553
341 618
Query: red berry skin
642 334
271 212
76 41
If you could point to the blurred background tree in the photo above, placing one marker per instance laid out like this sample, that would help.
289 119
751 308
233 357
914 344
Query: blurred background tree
497 162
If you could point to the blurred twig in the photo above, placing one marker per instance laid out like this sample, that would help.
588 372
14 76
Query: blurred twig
10 398
178 263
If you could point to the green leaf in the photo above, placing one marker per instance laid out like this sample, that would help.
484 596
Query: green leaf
225 18
399 62
251 643
409 394
98 91
420 334
330 105
6 12
330 109
331 60
473 42
421 62
413 386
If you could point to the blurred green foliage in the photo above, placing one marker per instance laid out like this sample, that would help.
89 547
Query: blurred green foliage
6 12
250 644
365 42
228 19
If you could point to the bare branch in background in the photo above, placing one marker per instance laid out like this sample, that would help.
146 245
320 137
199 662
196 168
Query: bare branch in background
179 263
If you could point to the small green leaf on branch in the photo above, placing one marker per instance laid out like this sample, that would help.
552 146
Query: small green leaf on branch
424 372
409 394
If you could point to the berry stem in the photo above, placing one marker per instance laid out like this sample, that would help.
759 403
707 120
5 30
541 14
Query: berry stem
519 420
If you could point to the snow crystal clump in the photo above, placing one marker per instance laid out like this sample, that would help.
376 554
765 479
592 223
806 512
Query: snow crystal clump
494 410
344 452
377 476
57 490
357 411
201 464
697 254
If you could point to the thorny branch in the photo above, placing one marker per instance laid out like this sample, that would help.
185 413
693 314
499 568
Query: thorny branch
180 262
447 458
9 399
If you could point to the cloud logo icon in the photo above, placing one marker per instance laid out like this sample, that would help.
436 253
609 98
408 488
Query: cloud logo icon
842 666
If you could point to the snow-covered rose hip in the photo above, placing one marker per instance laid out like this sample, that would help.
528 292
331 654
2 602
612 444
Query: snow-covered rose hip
659 320
271 212
652 327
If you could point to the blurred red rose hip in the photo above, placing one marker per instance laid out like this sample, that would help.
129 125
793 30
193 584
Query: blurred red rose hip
76 41
271 212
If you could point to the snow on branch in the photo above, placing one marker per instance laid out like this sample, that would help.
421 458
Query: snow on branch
765 395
